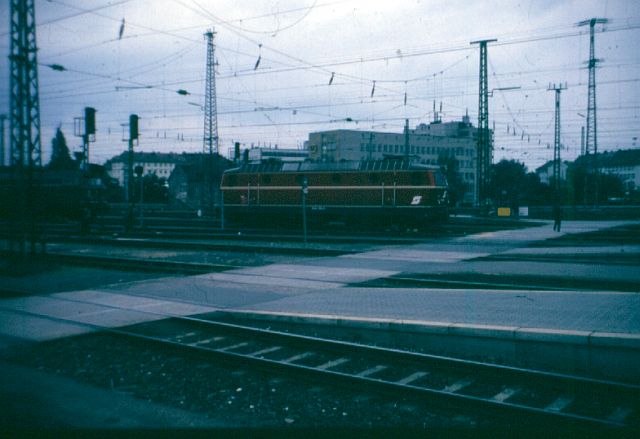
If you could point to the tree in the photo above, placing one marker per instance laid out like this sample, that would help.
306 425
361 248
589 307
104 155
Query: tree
583 181
610 186
508 183
538 193
511 186
60 157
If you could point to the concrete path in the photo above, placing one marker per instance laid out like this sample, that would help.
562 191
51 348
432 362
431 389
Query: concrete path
321 286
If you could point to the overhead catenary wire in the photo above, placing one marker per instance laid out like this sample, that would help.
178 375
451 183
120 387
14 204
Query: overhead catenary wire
401 94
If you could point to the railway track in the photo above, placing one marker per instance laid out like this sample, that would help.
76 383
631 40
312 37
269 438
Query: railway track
537 397
462 280
131 263
207 229
486 387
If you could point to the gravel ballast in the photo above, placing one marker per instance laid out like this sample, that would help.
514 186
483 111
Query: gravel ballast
243 397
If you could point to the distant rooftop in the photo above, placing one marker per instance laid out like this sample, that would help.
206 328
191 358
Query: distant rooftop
623 157
155 157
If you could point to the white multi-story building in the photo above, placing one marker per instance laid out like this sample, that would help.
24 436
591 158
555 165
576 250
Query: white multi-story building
427 143
160 164
625 164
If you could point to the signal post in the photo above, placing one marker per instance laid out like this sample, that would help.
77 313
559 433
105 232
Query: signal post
133 135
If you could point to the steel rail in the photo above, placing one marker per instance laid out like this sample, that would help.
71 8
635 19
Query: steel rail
516 378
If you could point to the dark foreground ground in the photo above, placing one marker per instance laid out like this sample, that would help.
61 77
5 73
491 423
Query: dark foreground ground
99 381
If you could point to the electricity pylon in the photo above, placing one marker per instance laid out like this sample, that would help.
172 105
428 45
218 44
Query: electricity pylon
556 143
591 144
484 145
26 157
210 138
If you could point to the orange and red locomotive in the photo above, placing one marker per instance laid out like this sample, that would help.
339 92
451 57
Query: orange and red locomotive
382 192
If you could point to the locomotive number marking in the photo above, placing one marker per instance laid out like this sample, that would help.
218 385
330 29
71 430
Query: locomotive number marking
416 200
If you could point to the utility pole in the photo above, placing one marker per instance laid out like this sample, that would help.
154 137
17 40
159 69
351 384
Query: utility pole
406 139
556 143
210 138
3 117
484 145
591 144
26 157
305 192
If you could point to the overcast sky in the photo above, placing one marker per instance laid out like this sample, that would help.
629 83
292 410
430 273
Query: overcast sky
417 48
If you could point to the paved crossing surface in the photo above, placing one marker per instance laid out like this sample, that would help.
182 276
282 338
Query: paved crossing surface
324 286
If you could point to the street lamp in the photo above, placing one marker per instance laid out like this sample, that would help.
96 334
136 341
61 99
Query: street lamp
503 89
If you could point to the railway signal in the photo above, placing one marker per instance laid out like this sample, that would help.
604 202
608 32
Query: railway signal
85 127
133 135
133 127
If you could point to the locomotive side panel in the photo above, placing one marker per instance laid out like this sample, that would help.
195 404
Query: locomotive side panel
396 196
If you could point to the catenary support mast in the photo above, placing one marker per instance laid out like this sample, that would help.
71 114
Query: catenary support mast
210 138
484 141
591 142
25 154
556 143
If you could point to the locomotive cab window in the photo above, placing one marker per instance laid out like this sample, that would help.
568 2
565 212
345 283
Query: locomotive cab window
416 179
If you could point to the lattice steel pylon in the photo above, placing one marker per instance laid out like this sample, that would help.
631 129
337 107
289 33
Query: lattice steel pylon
556 143
26 155
484 141
25 107
591 142
210 138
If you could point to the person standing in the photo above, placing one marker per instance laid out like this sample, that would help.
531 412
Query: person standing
557 217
